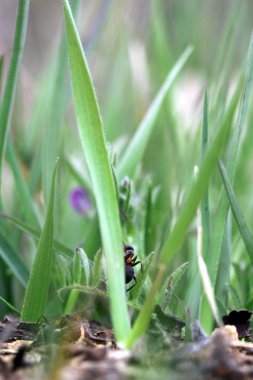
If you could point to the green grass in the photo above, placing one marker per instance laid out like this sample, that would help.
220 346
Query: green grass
136 148
36 294
177 235
92 138
122 130
10 87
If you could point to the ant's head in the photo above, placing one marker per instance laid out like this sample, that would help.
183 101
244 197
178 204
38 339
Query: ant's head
128 248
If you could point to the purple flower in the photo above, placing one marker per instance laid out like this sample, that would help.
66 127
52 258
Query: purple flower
80 201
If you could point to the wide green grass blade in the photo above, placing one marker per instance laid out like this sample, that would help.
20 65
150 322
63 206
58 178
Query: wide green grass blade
178 233
36 234
38 285
136 148
10 88
13 261
93 142
237 212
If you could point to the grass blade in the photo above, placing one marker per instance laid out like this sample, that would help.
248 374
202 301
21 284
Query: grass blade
97 269
231 166
58 99
38 285
13 261
1 73
237 212
177 235
231 160
36 234
81 272
78 173
136 148
22 188
199 186
10 88
206 282
93 142
214 255
228 40
77 268
141 276
205 201
194 290
10 306
172 283
85 267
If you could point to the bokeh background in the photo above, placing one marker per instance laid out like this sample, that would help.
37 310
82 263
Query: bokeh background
136 41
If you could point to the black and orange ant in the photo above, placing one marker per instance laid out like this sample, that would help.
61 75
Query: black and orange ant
130 262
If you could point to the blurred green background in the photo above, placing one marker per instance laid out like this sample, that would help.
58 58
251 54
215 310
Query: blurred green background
130 46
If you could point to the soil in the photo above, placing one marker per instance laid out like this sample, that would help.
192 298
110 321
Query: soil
73 348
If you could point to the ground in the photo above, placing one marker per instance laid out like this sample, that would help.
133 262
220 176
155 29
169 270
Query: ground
73 348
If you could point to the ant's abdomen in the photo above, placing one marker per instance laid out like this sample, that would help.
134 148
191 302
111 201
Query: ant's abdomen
129 273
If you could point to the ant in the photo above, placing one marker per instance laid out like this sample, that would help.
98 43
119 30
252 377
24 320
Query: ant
130 262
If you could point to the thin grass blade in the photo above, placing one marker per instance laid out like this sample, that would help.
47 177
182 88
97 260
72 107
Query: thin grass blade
237 303
22 188
136 148
63 274
1 73
10 306
237 212
206 282
177 235
205 201
58 99
77 269
194 290
231 160
172 283
79 174
141 275
13 261
10 88
36 234
86 267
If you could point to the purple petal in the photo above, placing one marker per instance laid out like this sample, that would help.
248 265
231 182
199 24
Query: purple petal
80 201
